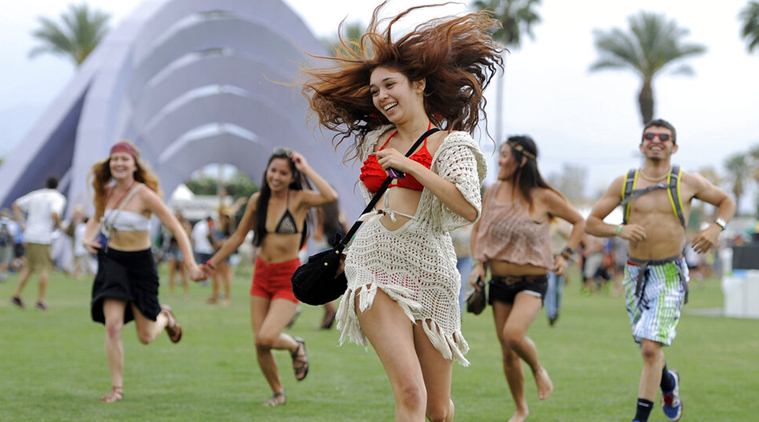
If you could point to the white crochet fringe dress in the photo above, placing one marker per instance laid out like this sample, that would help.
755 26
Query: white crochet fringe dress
415 265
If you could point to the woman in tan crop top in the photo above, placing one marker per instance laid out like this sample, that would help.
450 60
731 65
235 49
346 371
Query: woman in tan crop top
512 241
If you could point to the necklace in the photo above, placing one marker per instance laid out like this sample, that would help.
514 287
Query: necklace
653 179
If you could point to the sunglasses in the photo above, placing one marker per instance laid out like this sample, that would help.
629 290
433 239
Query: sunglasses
282 152
649 136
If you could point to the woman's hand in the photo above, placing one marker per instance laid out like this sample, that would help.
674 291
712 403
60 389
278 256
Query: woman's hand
478 272
91 246
559 265
391 157
199 273
300 161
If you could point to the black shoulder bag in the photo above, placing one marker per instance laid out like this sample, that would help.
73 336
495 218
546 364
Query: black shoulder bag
317 281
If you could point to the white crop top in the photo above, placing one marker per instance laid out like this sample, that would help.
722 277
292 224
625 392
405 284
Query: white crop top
126 221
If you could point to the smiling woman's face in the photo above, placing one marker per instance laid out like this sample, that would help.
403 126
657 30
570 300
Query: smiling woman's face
393 95
122 165
279 176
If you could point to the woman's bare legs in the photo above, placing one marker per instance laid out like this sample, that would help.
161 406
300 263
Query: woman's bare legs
183 276
391 334
148 330
437 372
214 298
268 319
171 263
225 278
113 310
512 322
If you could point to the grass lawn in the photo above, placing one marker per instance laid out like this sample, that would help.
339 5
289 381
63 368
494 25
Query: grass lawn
52 365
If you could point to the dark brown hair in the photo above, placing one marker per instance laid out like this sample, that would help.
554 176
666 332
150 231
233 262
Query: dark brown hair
455 55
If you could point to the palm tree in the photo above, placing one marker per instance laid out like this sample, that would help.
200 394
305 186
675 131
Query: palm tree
738 171
349 33
652 45
517 17
750 29
78 33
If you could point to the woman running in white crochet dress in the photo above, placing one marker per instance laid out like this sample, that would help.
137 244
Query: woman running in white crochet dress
401 267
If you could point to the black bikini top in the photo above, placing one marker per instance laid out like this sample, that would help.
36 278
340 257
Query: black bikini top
286 224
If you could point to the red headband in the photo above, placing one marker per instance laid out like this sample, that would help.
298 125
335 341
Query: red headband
125 147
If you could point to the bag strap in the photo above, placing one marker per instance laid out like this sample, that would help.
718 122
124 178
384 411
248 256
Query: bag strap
627 189
673 191
377 195
125 200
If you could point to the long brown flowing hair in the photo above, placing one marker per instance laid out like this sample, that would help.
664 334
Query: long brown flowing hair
101 177
456 56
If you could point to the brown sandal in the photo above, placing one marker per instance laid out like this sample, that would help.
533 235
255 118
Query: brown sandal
277 399
116 394
300 359
173 328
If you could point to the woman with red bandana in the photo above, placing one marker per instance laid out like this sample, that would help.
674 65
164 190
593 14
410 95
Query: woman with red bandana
126 284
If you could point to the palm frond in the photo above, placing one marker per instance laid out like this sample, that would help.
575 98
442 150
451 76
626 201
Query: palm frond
79 32
517 17
619 48
652 44
750 27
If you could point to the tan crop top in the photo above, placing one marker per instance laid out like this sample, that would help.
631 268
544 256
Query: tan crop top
507 233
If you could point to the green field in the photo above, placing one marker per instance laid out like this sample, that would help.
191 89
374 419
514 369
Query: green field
52 365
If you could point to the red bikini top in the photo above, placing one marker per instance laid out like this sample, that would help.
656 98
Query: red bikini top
372 173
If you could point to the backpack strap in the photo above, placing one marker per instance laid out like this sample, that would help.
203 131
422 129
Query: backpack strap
673 191
627 188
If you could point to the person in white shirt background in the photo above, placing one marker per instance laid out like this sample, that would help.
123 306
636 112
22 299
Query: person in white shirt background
8 229
201 241
43 208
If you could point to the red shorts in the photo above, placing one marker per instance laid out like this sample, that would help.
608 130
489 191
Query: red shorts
272 280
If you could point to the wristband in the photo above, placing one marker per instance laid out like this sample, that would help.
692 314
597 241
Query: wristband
567 253
618 230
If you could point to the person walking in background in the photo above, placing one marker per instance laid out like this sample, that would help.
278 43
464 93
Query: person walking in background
559 233
222 277
8 230
43 210
512 241
75 230
126 284
175 259
657 202
203 246
462 239
403 285
277 213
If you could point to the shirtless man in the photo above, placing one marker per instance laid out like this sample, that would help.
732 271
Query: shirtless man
657 201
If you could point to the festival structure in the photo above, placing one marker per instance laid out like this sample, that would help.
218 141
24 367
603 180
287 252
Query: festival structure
191 82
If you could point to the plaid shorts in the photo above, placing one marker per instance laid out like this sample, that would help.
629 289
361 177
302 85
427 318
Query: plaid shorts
655 292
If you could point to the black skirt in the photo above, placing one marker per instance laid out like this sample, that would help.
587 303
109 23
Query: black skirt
127 276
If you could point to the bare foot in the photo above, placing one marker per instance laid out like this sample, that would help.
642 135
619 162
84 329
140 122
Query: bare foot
116 394
519 416
543 381
277 399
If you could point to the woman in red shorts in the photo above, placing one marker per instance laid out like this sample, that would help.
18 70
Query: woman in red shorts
277 214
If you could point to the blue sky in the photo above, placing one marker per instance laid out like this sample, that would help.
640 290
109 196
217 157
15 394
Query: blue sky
577 117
